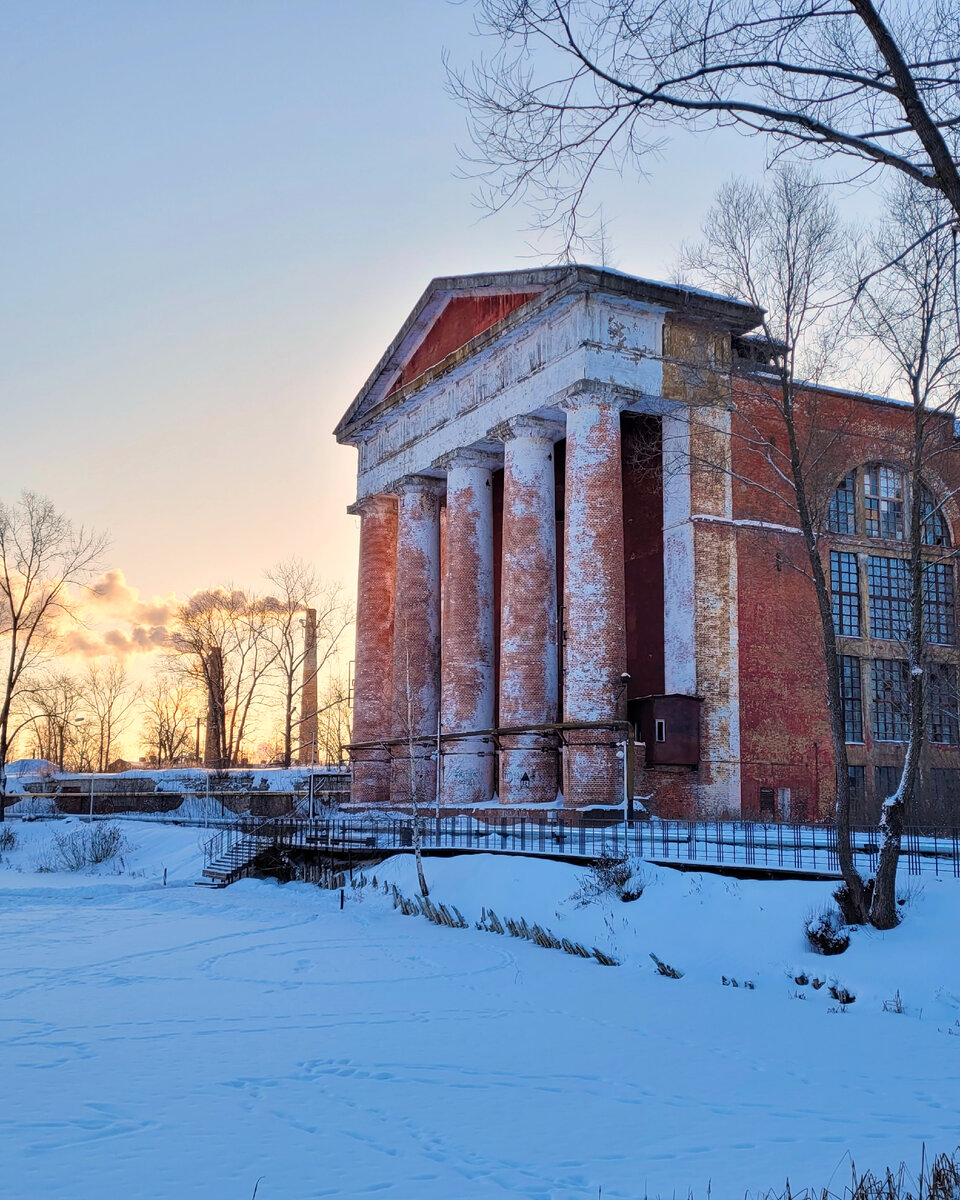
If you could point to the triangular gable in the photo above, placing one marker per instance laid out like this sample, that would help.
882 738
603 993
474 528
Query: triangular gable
459 309
451 313
463 318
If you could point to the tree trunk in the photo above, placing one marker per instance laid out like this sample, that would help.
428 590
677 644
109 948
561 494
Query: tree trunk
883 907
288 728
854 900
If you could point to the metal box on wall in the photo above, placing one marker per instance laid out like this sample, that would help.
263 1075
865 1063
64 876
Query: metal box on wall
669 727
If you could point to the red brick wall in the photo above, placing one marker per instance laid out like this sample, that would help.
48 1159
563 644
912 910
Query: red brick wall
782 680
784 735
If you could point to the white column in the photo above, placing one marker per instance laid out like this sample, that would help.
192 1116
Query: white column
528 612
594 611
373 659
416 641
468 696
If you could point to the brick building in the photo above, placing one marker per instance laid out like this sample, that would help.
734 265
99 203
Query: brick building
572 534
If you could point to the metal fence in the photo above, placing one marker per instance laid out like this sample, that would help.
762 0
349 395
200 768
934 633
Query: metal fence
785 849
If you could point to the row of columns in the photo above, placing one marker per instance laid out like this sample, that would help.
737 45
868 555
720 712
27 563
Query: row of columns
405 680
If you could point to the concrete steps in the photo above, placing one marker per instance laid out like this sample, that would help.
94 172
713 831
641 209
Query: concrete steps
233 862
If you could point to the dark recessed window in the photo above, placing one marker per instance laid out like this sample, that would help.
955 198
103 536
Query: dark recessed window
888 591
851 689
886 781
889 695
934 530
943 719
938 611
845 589
857 791
842 517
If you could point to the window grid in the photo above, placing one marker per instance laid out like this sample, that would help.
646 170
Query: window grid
851 689
857 789
842 516
889 695
933 527
883 502
943 719
885 781
938 603
888 590
845 589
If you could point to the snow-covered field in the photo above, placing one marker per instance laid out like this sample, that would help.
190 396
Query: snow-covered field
174 1041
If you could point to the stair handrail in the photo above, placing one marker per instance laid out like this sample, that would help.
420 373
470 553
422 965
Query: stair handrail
225 839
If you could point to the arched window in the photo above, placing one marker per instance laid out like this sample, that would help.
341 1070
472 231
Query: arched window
842 517
873 502
883 503
934 531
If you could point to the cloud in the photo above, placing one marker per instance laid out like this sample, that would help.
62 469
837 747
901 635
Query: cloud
116 622
112 594
83 642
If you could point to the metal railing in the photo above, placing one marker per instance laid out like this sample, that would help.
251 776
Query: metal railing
786 849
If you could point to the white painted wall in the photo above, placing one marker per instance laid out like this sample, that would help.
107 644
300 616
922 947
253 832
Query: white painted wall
614 341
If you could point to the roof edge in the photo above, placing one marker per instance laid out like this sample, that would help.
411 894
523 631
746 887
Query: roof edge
735 316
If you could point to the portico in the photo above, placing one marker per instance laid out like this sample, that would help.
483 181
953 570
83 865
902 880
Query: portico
492 618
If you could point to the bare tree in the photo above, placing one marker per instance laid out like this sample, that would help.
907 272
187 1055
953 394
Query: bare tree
298 597
42 556
780 247
109 698
906 290
169 707
54 714
221 640
573 85
333 721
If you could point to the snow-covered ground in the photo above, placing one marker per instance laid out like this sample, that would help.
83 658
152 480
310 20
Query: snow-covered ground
169 1041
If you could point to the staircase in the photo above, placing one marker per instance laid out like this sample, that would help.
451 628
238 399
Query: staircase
229 856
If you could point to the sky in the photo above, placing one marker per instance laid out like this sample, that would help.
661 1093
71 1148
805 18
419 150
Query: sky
216 215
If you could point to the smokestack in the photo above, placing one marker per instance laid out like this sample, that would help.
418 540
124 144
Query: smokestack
308 691
213 741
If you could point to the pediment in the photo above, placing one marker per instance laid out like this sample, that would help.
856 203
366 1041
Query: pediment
461 319
456 313
450 314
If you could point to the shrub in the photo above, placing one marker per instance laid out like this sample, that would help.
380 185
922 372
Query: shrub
611 875
82 848
826 932
8 839
104 841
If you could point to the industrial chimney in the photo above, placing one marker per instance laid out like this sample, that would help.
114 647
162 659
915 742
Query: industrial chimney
308 691
216 710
